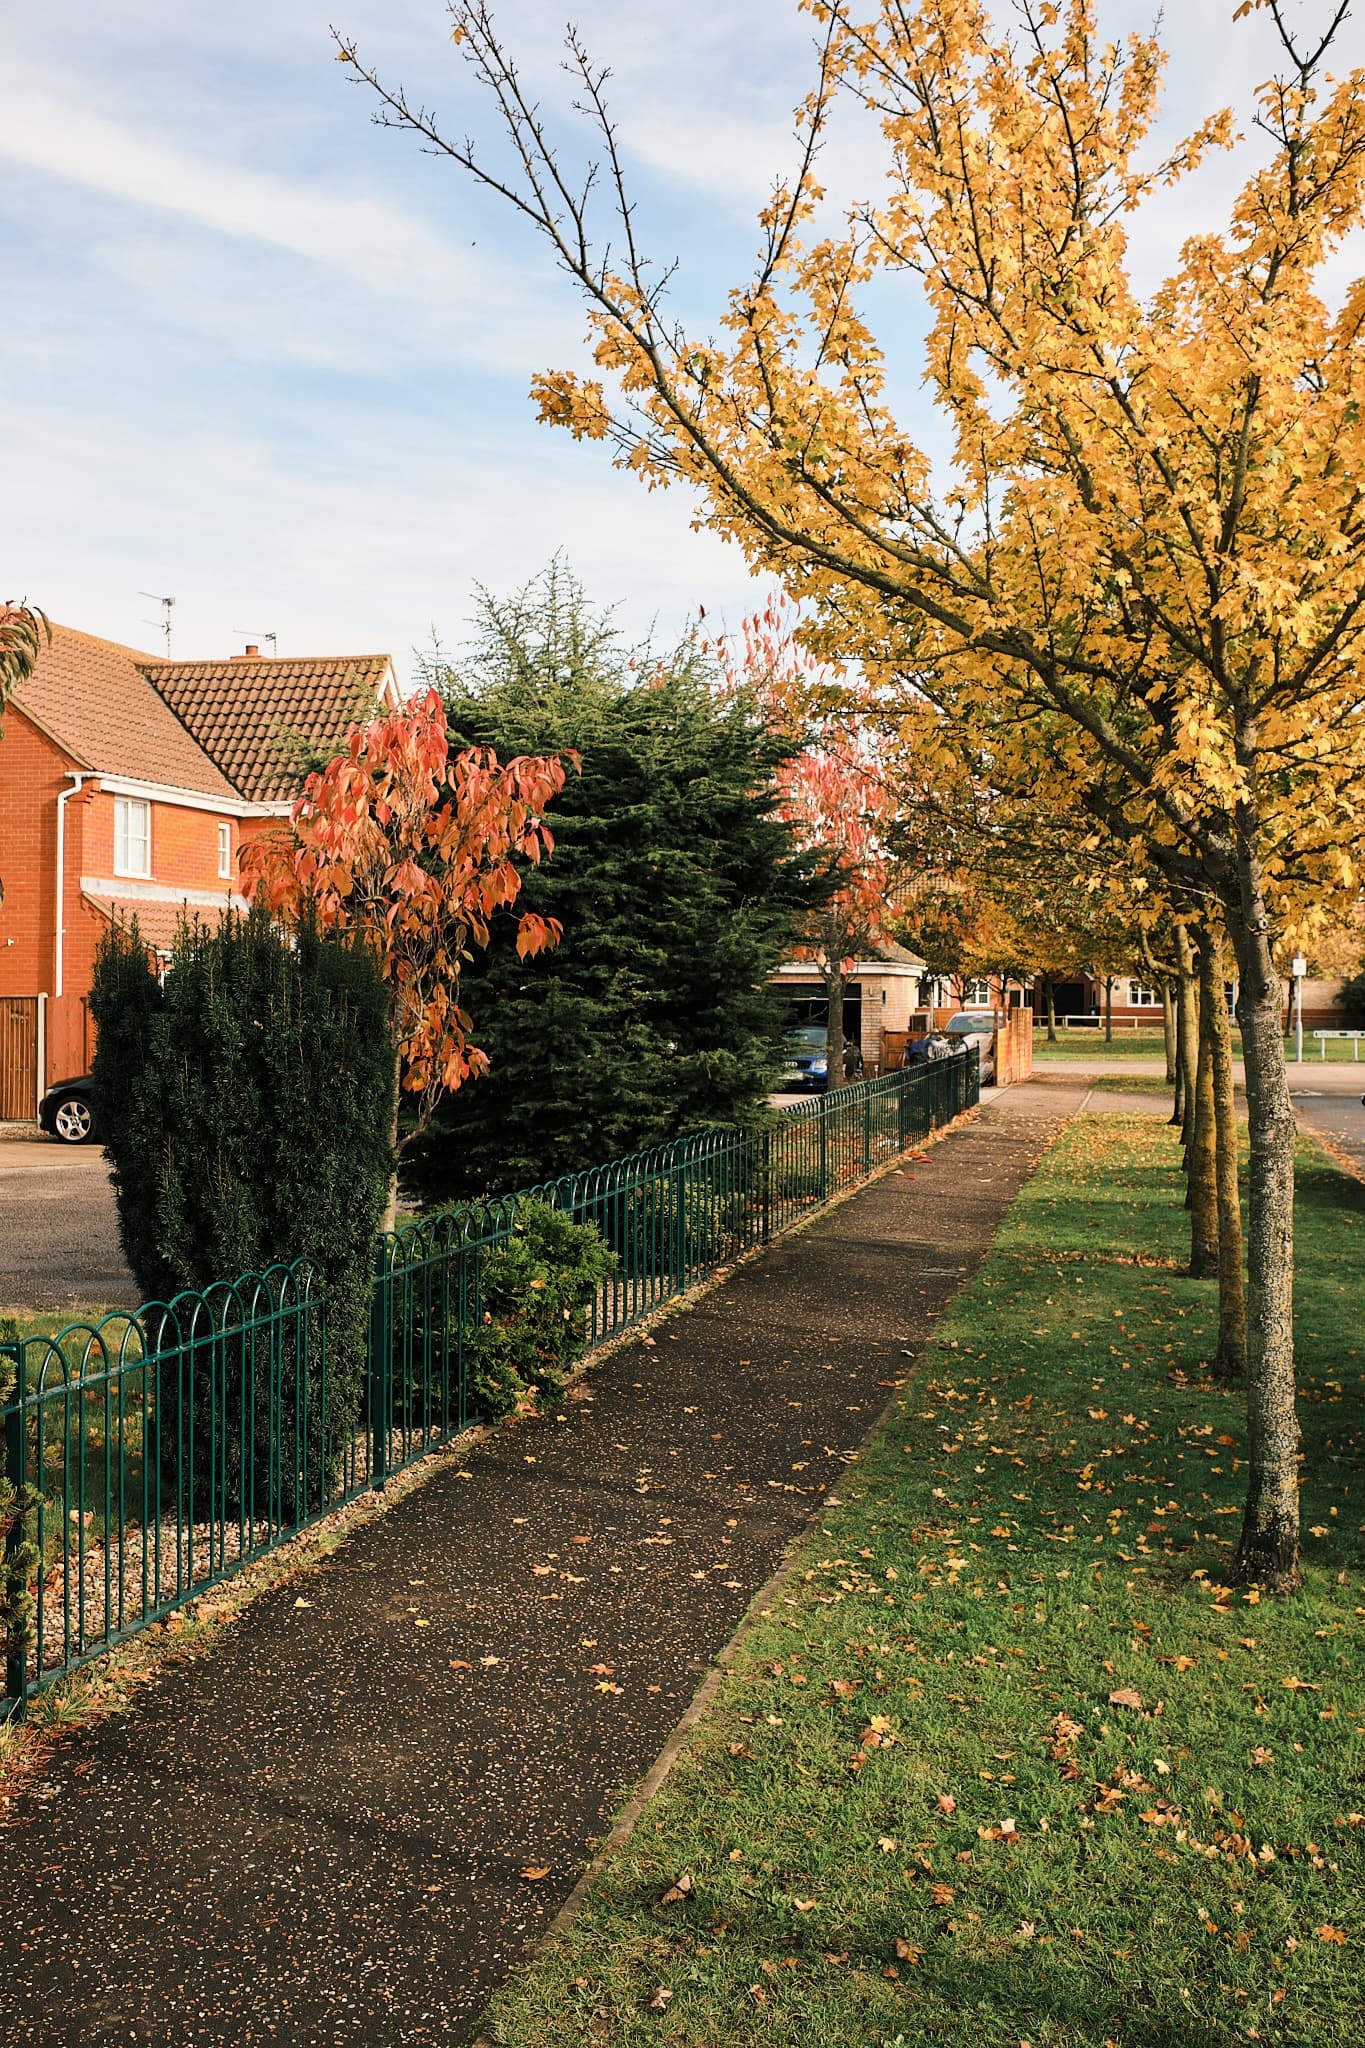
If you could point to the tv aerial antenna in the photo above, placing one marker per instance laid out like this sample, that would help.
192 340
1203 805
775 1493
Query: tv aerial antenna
249 636
163 626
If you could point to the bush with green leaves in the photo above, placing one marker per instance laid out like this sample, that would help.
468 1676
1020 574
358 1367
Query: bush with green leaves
246 1100
532 1295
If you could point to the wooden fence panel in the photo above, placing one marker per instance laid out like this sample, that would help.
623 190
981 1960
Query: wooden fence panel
18 1058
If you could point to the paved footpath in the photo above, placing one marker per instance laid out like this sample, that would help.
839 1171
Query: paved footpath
315 1835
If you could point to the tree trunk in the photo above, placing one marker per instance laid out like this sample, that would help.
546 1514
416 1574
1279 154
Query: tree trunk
1188 1040
390 1216
1051 1012
1201 1159
1230 1358
1268 1553
1168 1031
834 1028
1109 1009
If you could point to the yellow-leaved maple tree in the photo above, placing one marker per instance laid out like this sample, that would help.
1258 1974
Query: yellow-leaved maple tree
1146 574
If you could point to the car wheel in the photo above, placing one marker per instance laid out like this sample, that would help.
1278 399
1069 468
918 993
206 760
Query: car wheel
73 1121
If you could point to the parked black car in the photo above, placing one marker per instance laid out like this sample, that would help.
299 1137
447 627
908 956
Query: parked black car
67 1111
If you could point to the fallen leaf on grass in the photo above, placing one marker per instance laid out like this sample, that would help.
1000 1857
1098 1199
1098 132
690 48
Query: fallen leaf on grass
1299 1685
906 1952
843 1687
681 1888
1125 1697
661 2000
941 1894
946 1803
1006 1832
804 1905
1330 1934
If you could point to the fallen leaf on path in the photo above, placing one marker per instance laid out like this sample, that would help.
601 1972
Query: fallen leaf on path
534 1872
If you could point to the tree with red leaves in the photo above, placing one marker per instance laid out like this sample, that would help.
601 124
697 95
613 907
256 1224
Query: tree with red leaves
418 848
832 796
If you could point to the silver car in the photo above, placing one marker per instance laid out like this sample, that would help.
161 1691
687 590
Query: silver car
976 1027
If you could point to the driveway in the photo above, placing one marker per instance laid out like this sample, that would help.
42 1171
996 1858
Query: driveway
59 1245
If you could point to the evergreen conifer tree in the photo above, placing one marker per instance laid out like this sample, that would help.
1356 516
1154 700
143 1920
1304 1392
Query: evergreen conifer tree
677 885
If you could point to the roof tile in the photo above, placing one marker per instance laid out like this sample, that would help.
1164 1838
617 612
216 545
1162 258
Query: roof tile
263 721
95 699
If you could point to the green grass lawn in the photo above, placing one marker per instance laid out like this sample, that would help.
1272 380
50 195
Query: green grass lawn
1090 1045
1006 1762
92 1419
1087 1044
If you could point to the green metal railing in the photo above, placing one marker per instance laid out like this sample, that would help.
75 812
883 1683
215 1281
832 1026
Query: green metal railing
151 1455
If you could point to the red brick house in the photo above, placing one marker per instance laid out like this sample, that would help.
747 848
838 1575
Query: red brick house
128 786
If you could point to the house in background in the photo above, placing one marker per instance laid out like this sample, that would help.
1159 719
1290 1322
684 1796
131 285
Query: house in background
881 995
128 787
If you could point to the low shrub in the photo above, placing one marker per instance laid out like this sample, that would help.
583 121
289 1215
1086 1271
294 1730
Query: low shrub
534 1290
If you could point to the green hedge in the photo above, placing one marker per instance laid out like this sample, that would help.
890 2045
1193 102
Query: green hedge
246 1102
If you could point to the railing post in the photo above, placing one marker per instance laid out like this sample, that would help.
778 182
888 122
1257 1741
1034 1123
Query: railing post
16 1656
381 1331
824 1149
765 1169
867 1130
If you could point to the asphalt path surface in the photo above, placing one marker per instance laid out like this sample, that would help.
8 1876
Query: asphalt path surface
317 1834
59 1245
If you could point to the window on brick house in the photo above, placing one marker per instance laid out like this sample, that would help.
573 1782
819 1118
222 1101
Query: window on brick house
132 836
1140 998
224 851
977 996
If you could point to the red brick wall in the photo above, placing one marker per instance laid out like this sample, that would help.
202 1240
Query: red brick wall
32 773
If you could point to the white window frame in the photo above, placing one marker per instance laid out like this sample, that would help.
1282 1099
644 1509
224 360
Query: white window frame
224 850
128 848
976 995
1140 998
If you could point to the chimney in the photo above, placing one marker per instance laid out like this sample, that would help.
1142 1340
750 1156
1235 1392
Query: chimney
251 652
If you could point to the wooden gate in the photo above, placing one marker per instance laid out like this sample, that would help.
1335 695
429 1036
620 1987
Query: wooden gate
18 1058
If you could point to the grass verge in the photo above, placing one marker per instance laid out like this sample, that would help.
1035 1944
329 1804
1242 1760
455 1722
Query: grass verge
1006 1762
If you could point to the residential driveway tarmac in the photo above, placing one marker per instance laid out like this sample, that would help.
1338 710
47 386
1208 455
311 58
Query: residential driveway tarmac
59 1245
315 1835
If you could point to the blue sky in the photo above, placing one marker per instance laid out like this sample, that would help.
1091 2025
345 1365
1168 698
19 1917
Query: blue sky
266 358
